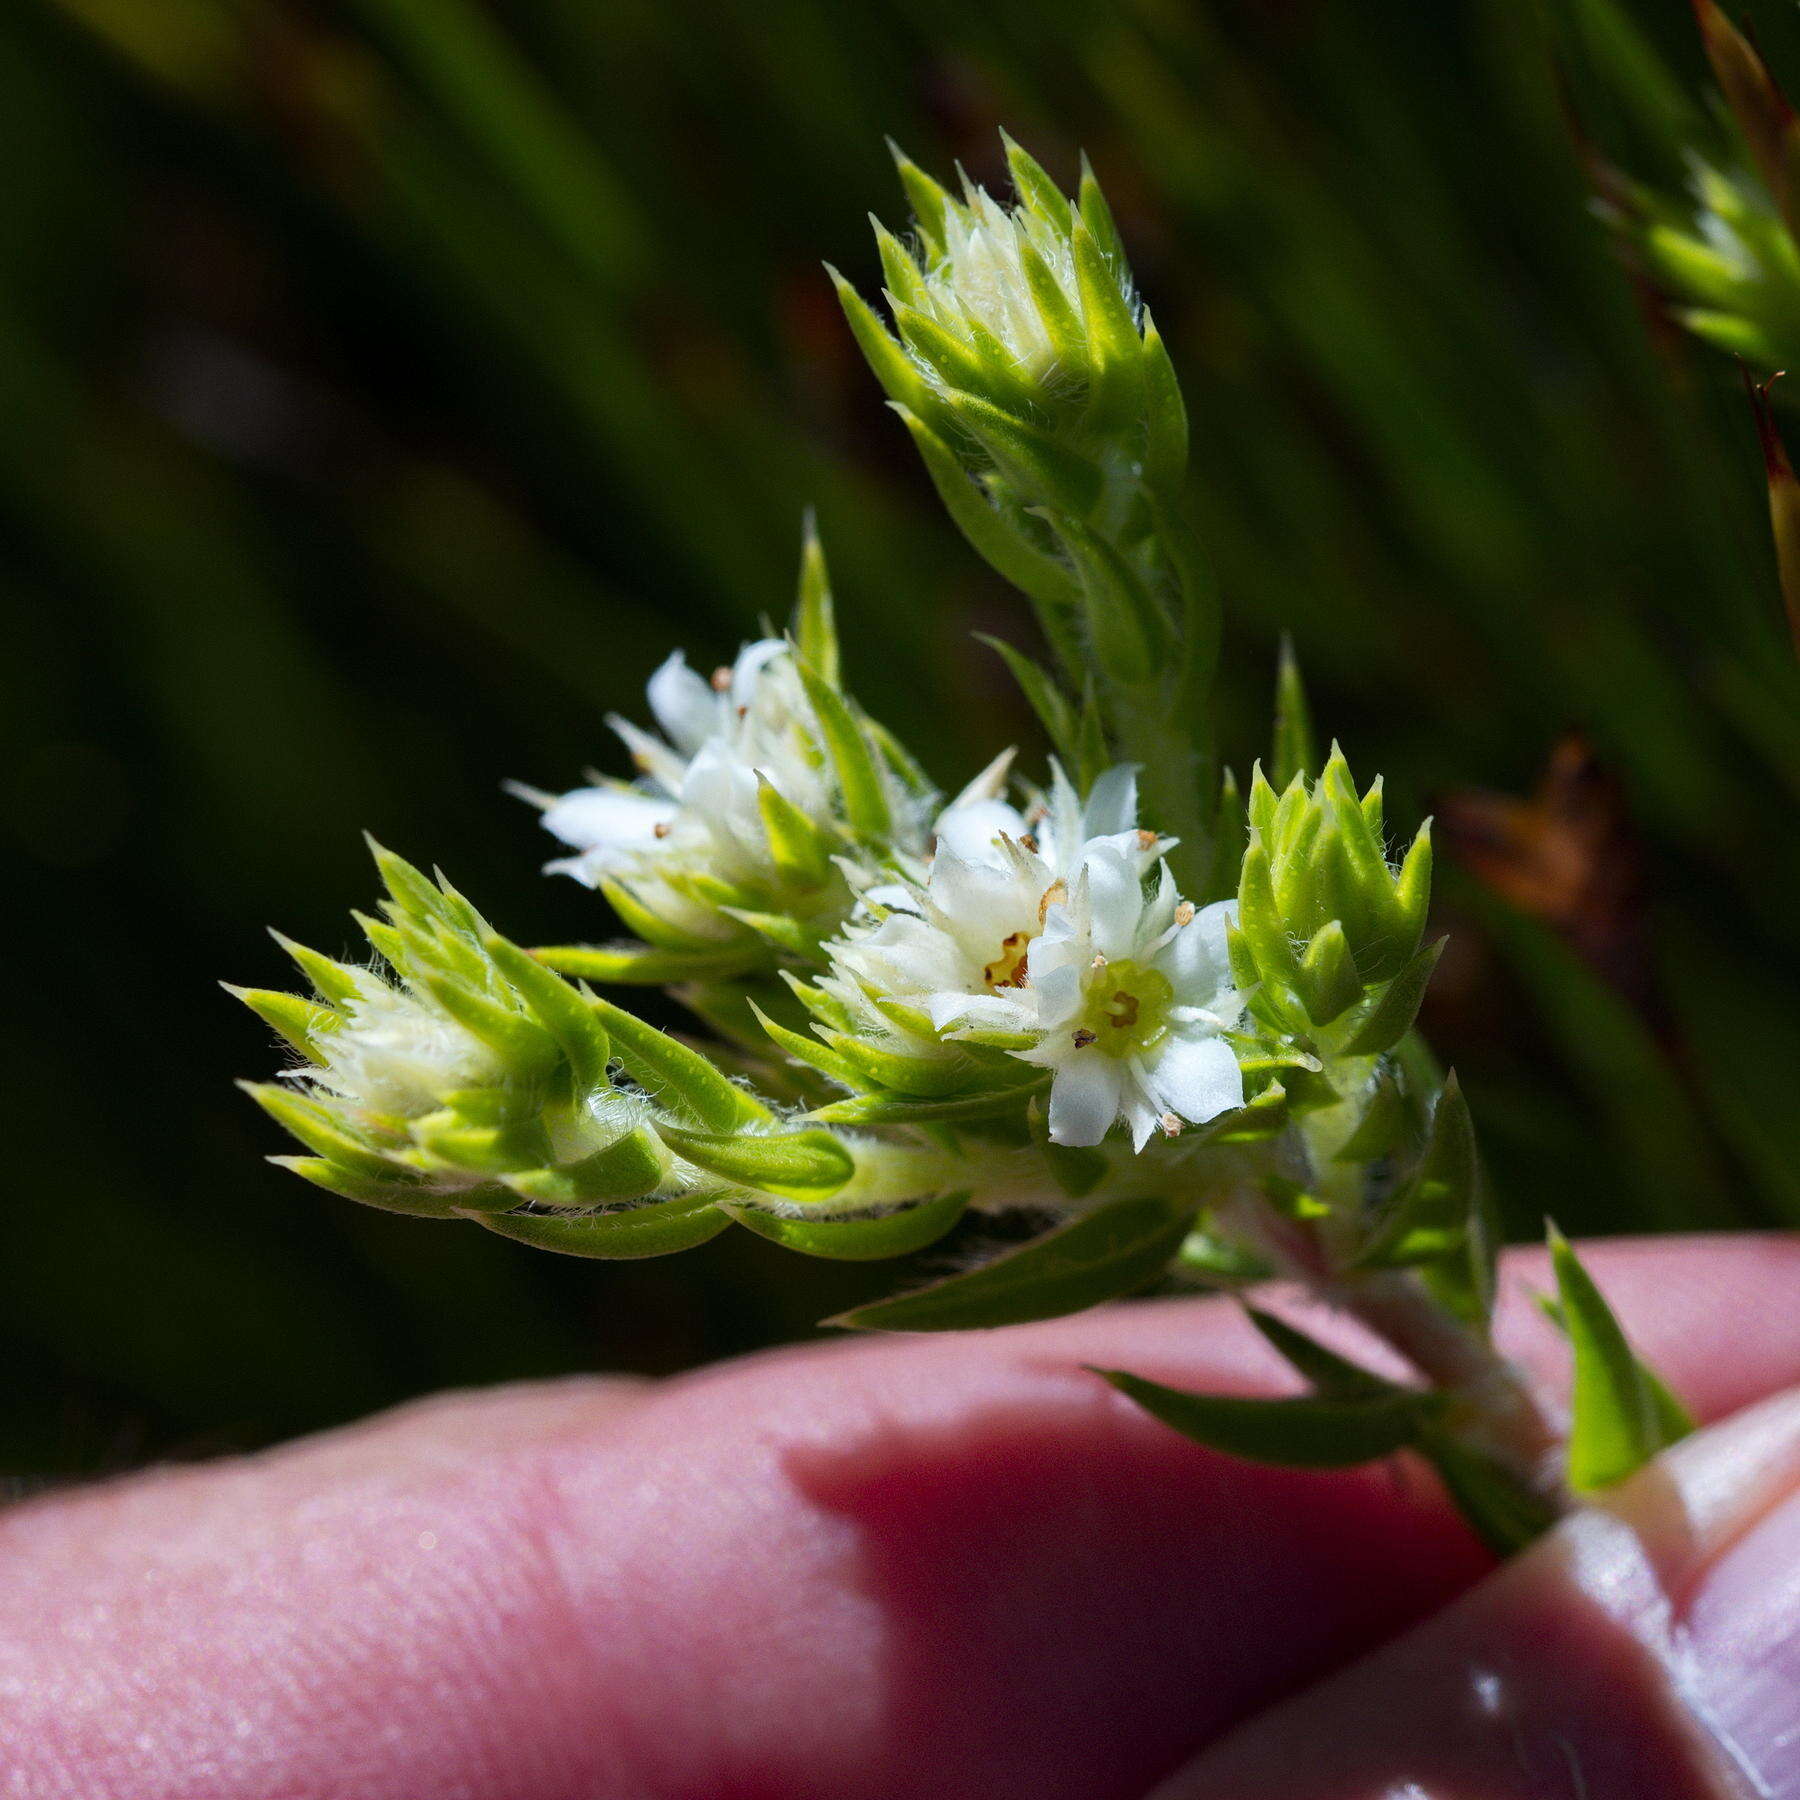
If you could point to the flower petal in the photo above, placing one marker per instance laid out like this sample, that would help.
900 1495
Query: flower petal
1196 960
1196 1078
1112 802
1084 1097
596 817
970 830
684 704
1115 901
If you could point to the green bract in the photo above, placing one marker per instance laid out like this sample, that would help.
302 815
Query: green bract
1326 928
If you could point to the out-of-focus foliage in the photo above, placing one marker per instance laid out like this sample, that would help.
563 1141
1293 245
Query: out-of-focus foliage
385 386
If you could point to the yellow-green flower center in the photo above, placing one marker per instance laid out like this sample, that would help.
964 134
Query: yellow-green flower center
1127 1010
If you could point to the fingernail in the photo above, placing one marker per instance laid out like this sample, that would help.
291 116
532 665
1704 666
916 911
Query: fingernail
1742 1652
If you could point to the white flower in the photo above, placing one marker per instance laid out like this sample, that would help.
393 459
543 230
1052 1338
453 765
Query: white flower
950 956
695 810
1133 992
398 1055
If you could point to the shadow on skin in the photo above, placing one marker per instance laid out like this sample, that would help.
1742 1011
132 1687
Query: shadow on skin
1003 1551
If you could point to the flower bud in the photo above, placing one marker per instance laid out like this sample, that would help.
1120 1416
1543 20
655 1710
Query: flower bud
1048 414
1326 926
465 1077
1018 336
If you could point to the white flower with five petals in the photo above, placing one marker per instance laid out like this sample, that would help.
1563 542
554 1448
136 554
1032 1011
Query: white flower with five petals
1134 995
695 811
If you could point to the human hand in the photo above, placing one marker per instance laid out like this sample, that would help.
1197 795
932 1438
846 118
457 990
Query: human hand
935 1567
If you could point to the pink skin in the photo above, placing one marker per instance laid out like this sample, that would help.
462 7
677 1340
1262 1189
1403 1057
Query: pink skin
895 1567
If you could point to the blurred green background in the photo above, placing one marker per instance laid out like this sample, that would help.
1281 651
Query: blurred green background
385 386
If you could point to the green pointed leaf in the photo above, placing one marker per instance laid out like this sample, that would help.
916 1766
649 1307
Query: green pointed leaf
1062 323
828 1009
1382 1129
955 362
1165 416
616 1237
781 930
649 925
633 1165
1115 350
568 1016
1440 1221
1262 927
626 964
1616 1424
677 1078
858 774
858 1240
896 1109
384 940
1039 468
919 1077
894 369
524 1045
1040 689
1329 982
452 1141
1294 752
412 891
1412 891
1097 215
1037 192
800 851
297 1020
1126 626
815 618
1335 1377
394 1192
320 1129
1111 1251
899 271
333 981
926 197
1391 1014
1503 1514
807 1166
1036 574
809 1050
1307 1432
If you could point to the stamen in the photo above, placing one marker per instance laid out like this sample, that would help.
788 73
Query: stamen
1184 913
1083 1038
721 681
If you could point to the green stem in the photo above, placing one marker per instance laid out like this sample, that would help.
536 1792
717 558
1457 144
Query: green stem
1496 1412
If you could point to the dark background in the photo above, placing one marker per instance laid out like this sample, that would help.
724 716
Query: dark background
386 386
